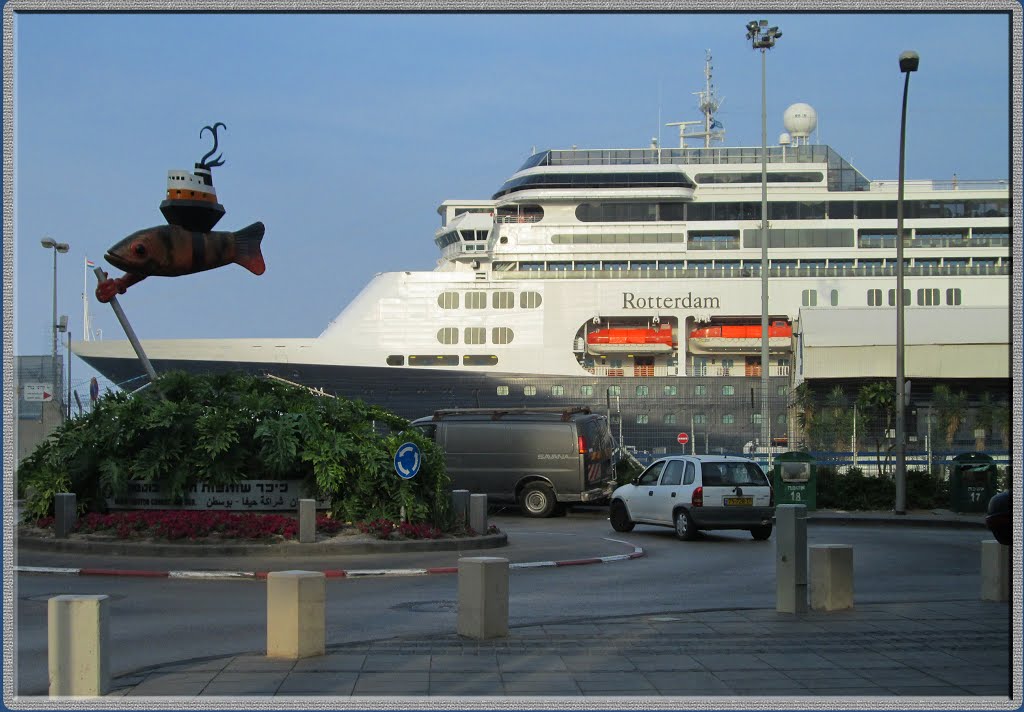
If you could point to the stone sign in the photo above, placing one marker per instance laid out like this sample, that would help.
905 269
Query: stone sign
243 496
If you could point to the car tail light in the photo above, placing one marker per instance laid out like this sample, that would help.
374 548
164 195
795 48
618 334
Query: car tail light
697 500
583 445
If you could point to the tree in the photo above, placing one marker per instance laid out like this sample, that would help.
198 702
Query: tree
950 411
876 403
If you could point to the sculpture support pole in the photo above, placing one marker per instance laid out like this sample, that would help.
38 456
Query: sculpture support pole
129 332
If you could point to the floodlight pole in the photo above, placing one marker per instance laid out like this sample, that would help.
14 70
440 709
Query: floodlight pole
763 38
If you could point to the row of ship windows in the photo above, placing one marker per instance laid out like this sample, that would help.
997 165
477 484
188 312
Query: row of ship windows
752 265
499 300
791 210
928 297
868 238
925 297
475 335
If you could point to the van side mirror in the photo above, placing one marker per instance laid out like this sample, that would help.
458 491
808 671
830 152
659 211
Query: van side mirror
635 481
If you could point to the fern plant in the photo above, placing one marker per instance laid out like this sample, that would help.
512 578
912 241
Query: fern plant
219 429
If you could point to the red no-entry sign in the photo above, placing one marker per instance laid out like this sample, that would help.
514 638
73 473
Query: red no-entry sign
682 438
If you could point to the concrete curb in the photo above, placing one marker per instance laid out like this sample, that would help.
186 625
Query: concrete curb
289 548
329 573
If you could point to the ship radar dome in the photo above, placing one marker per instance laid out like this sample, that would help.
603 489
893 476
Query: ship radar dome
784 139
800 120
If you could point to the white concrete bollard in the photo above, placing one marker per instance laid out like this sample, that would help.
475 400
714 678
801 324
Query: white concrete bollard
78 634
307 521
460 506
791 558
296 614
995 571
483 597
478 513
831 577
65 514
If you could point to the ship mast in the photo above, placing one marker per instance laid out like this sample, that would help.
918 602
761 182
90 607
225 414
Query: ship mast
708 103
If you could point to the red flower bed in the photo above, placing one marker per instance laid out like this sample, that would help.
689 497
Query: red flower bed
193 524
384 528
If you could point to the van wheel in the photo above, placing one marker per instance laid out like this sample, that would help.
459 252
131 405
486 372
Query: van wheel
537 500
685 530
761 533
619 517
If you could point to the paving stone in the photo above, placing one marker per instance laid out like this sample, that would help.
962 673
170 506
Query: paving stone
464 684
925 691
613 683
731 662
664 663
858 661
406 683
215 665
244 683
686 683
530 663
867 691
259 663
187 683
540 683
593 663
798 661
380 662
322 683
334 662
464 663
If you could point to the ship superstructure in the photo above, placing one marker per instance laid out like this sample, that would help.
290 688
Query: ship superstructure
629 279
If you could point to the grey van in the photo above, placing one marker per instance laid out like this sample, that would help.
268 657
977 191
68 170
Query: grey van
539 458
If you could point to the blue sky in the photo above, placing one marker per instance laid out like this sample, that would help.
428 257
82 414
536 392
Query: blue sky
345 131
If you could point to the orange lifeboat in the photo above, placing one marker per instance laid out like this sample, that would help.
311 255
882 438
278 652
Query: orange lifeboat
617 340
740 337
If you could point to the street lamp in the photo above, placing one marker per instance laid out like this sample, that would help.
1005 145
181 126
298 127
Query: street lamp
62 247
908 63
763 38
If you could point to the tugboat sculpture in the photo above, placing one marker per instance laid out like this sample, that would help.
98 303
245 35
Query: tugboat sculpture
191 199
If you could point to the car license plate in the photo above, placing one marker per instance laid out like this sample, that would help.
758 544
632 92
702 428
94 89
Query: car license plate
739 501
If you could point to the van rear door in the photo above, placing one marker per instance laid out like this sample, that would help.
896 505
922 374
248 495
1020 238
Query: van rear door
597 449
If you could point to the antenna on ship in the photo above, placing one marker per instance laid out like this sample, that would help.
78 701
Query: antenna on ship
708 103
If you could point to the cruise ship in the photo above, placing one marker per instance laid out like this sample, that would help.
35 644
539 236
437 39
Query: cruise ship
629 280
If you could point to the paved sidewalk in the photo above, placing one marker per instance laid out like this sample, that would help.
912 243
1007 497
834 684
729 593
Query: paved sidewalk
959 649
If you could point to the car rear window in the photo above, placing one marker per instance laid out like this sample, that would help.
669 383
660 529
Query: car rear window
730 474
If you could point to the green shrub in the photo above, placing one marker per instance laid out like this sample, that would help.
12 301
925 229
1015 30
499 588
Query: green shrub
854 490
219 429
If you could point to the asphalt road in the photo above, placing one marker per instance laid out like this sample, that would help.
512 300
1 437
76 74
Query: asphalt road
155 621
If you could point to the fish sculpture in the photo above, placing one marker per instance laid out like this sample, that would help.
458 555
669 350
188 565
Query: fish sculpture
172 251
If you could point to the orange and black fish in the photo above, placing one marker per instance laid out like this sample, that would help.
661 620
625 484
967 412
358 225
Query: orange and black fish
171 251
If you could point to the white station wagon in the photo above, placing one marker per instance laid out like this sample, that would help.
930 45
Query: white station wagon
694 492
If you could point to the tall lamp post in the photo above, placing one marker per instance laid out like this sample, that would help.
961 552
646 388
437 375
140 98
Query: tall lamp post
908 63
763 38
62 247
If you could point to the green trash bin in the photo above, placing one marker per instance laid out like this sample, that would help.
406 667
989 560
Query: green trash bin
972 482
795 479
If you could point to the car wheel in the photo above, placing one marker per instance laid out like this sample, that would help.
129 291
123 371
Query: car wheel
537 500
684 525
619 517
761 533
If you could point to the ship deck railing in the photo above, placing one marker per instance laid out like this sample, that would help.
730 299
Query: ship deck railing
755 271
710 370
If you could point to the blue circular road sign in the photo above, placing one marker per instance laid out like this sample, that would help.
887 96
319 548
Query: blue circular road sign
407 461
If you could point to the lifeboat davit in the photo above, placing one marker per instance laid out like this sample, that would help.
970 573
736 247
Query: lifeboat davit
740 337
617 340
